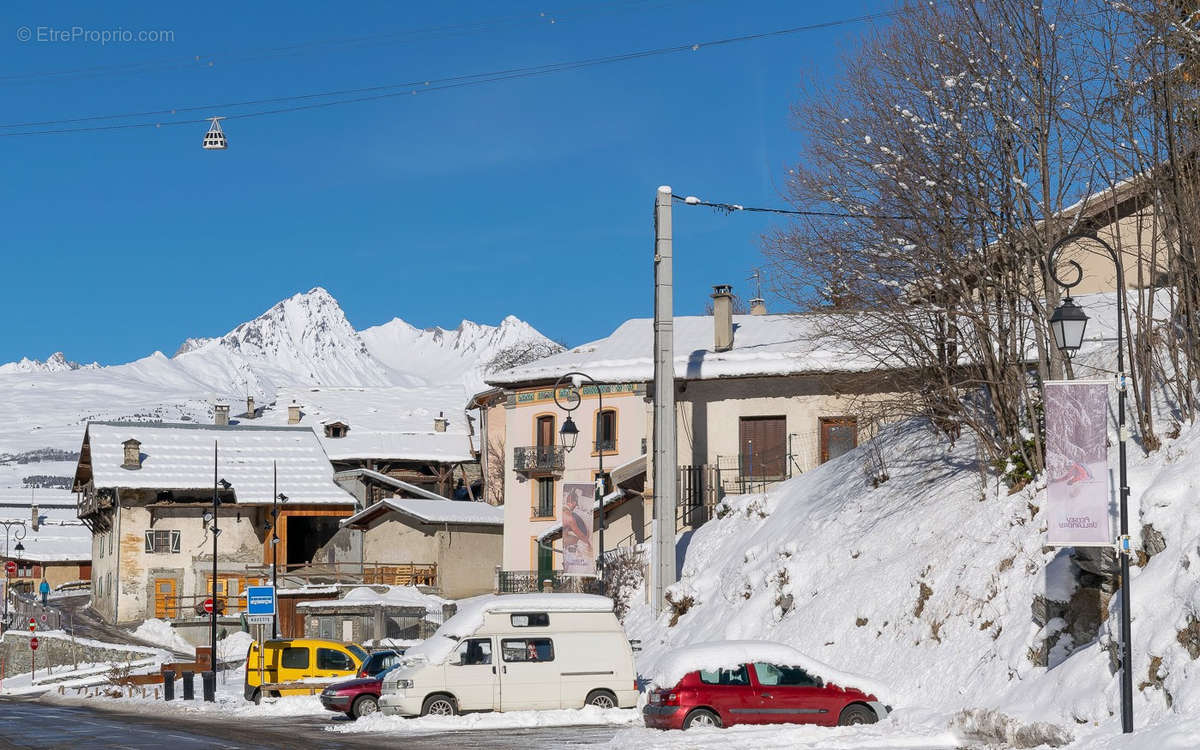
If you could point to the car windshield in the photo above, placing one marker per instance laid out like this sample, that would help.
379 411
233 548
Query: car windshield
358 652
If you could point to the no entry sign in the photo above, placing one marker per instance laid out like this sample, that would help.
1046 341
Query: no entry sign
208 606
10 567
33 644
32 624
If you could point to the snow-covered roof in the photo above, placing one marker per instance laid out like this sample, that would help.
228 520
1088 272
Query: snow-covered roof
762 345
432 511
730 654
392 423
61 536
391 481
469 617
180 456
394 596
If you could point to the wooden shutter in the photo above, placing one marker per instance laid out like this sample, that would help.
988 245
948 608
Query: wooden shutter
763 447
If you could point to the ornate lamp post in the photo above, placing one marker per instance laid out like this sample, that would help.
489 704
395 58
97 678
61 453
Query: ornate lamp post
568 436
1068 324
9 534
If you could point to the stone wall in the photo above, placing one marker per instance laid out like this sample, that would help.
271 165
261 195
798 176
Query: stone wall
55 649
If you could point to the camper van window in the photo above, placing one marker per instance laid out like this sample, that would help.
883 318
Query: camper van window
472 652
531 620
294 658
327 658
527 649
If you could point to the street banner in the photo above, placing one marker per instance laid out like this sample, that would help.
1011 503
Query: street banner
578 512
1077 483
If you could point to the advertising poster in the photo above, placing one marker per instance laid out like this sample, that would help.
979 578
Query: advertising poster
578 505
1077 482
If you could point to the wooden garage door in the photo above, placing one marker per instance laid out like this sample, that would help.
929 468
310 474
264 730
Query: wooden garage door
763 447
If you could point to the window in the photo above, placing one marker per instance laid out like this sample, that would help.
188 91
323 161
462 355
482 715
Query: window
737 676
162 541
25 570
358 652
838 435
473 652
294 658
328 658
773 675
546 436
530 620
544 498
606 430
527 649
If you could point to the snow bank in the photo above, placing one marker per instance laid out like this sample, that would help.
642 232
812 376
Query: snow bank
587 716
234 646
161 633
884 736
713 655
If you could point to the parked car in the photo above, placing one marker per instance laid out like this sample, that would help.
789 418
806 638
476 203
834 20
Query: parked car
358 697
755 682
287 660
516 652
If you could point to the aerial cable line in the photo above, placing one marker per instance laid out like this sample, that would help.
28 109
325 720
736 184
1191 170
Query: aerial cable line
473 79
400 37
729 208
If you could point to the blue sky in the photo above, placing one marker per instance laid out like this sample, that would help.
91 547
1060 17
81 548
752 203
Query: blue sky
530 197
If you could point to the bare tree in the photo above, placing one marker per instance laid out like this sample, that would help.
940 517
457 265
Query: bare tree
522 353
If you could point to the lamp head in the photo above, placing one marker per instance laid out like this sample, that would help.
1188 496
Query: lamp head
568 434
282 497
224 485
1067 323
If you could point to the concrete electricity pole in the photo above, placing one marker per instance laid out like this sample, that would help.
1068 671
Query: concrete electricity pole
665 466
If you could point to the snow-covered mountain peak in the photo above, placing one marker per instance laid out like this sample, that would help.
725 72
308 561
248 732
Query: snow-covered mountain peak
56 362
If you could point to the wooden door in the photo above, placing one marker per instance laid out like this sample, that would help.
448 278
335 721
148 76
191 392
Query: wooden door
545 432
166 605
763 447
838 435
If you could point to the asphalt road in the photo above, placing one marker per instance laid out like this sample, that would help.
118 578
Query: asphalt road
31 725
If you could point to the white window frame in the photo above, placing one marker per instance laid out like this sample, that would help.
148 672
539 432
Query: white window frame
170 537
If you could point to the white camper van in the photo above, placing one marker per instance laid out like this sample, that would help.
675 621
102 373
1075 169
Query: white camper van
517 652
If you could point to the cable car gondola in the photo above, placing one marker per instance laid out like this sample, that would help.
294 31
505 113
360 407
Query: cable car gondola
215 137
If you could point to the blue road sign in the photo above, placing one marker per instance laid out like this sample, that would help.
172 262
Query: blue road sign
260 603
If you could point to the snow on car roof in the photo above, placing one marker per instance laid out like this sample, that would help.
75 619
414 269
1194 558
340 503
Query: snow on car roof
471 612
673 666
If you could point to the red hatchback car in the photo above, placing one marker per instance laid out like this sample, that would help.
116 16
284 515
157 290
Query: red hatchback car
759 692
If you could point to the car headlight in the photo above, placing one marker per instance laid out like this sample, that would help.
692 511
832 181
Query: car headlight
404 684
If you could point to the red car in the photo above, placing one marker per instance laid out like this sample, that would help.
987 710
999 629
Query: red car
360 696
759 684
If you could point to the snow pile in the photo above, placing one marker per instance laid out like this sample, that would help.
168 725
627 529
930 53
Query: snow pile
884 736
714 655
235 646
161 633
928 585
394 596
587 716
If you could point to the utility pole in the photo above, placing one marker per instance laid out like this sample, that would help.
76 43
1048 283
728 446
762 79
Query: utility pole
665 464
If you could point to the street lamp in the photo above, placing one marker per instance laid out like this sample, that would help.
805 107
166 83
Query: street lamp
1068 323
276 498
210 518
9 534
568 436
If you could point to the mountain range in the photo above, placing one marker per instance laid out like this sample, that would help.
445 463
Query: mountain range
301 341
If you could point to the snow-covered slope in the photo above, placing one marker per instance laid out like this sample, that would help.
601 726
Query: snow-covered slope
302 341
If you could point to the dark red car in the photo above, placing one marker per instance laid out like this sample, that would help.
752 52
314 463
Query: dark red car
360 696
759 692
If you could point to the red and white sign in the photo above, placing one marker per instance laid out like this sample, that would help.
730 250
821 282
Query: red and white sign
1077 486
32 624
33 644
208 606
10 567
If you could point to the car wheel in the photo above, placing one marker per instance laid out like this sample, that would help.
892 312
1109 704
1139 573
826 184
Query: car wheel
701 717
257 697
601 699
857 714
363 705
439 705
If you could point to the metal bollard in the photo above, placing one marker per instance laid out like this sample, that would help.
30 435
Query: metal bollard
189 685
168 684
210 685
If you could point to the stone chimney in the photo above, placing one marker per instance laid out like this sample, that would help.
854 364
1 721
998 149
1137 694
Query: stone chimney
758 306
293 413
250 407
221 414
722 298
36 520
440 423
133 454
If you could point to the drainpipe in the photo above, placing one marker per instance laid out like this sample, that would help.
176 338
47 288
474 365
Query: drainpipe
117 567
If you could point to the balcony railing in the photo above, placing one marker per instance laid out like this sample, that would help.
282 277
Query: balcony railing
539 459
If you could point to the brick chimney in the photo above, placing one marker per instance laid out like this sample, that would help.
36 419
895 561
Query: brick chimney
293 413
250 407
221 414
722 298
440 423
758 306
133 454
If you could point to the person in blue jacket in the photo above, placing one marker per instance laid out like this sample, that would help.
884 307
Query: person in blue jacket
44 588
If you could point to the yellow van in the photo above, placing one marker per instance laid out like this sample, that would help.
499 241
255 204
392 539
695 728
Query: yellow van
296 659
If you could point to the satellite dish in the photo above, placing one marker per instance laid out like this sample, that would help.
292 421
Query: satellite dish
214 139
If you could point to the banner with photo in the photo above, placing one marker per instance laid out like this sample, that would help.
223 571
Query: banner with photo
1077 483
578 512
